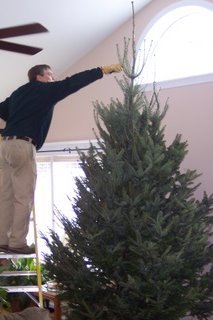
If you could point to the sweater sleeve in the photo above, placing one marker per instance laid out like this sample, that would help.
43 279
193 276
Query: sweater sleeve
59 90
4 109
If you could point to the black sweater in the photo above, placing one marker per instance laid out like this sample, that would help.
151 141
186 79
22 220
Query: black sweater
29 109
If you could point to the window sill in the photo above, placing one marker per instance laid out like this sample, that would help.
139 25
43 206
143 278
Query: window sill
181 82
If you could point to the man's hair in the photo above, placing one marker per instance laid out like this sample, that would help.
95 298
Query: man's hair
37 70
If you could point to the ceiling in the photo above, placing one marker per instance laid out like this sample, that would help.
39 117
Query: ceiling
75 28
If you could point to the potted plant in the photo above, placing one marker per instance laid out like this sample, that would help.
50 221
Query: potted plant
19 300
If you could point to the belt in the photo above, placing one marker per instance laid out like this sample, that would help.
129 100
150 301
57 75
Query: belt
19 138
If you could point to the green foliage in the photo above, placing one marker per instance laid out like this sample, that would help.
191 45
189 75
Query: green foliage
139 248
4 299
21 264
139 244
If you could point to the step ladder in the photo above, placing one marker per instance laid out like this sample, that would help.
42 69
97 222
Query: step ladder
29 289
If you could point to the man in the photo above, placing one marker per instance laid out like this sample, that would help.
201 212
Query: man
28 113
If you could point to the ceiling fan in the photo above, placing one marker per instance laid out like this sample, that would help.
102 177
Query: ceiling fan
20 31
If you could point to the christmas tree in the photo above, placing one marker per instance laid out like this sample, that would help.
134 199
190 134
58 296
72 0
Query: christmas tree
139 247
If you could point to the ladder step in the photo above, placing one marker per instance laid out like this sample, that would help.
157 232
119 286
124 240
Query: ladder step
4 255
20 288
17 273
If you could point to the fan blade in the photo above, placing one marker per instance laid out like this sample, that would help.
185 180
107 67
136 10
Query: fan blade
20 48
22 30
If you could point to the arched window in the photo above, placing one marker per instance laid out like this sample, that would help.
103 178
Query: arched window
179 45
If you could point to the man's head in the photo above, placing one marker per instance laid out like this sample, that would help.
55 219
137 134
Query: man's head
41 72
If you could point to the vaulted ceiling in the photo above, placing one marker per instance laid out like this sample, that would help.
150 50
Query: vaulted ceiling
75 27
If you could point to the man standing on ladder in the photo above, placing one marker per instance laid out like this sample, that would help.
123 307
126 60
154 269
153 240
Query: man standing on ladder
28 114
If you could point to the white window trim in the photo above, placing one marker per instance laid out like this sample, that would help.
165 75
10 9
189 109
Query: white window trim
181 82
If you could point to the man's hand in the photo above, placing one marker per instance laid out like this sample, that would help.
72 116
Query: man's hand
112 68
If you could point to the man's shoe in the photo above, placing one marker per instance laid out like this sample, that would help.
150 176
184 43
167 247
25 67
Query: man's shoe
3 248
22 250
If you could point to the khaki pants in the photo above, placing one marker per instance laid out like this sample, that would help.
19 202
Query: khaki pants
17 186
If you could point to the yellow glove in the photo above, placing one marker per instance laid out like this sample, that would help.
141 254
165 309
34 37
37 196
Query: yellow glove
112 68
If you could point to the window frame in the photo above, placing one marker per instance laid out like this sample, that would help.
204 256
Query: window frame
184 81
50 153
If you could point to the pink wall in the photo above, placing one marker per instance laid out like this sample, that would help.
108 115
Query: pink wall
190 112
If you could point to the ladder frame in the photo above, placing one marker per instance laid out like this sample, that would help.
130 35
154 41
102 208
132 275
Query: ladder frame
26 289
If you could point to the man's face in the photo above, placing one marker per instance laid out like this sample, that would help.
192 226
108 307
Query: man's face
46 77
